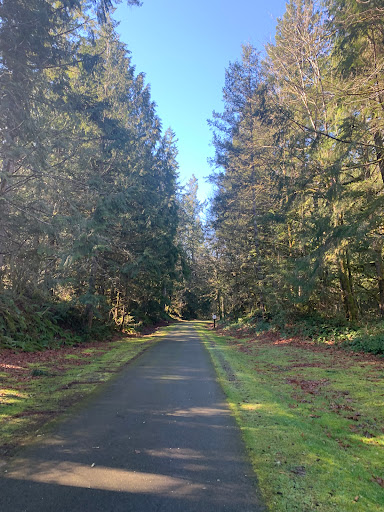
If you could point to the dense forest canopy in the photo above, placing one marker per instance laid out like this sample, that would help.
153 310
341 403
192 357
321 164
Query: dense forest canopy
94 228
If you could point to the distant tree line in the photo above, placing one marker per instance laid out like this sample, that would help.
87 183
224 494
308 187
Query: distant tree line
298 207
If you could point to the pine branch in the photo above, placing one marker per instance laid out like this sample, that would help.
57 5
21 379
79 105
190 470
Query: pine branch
337 139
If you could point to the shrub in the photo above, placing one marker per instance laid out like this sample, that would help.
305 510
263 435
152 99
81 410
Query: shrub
372 344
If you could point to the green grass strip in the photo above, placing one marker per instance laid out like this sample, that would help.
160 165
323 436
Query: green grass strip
312 422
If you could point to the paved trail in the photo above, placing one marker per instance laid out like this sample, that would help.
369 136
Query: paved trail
159 438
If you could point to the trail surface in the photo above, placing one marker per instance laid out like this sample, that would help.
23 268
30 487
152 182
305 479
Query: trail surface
160 437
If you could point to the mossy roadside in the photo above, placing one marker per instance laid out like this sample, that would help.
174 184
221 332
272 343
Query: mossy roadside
312 420
36 389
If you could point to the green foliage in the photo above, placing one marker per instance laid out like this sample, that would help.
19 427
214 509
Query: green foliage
27 324
40 372
193 293
315 327
373 344
337 331
367 339
297 212
92 229
87 179
249 324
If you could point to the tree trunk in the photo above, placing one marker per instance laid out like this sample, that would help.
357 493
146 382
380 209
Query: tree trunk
89 309
222 307
345 277
164 297
218 303
116 308
123 315
7 170
380 153
258 271
378 249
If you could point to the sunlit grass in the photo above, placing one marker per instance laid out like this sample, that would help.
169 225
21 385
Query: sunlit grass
312 423
72 356
10 396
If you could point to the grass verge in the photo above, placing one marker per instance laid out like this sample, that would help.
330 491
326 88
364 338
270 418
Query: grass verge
312 420
36 388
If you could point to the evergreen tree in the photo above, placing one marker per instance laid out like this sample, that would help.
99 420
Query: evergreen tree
192 297
88 181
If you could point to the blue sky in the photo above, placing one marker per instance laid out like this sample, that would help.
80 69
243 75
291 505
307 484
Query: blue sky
184 47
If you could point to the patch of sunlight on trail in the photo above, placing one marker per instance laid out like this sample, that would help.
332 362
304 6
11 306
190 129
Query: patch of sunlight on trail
93 477
198 411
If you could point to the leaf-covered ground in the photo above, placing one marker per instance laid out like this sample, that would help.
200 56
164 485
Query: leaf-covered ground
312 418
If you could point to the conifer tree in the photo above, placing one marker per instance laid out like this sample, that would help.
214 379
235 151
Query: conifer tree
193 296
88 181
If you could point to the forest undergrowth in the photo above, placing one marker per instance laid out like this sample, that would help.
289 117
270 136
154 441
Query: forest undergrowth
362 337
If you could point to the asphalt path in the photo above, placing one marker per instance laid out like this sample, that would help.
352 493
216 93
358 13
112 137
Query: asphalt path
160 437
